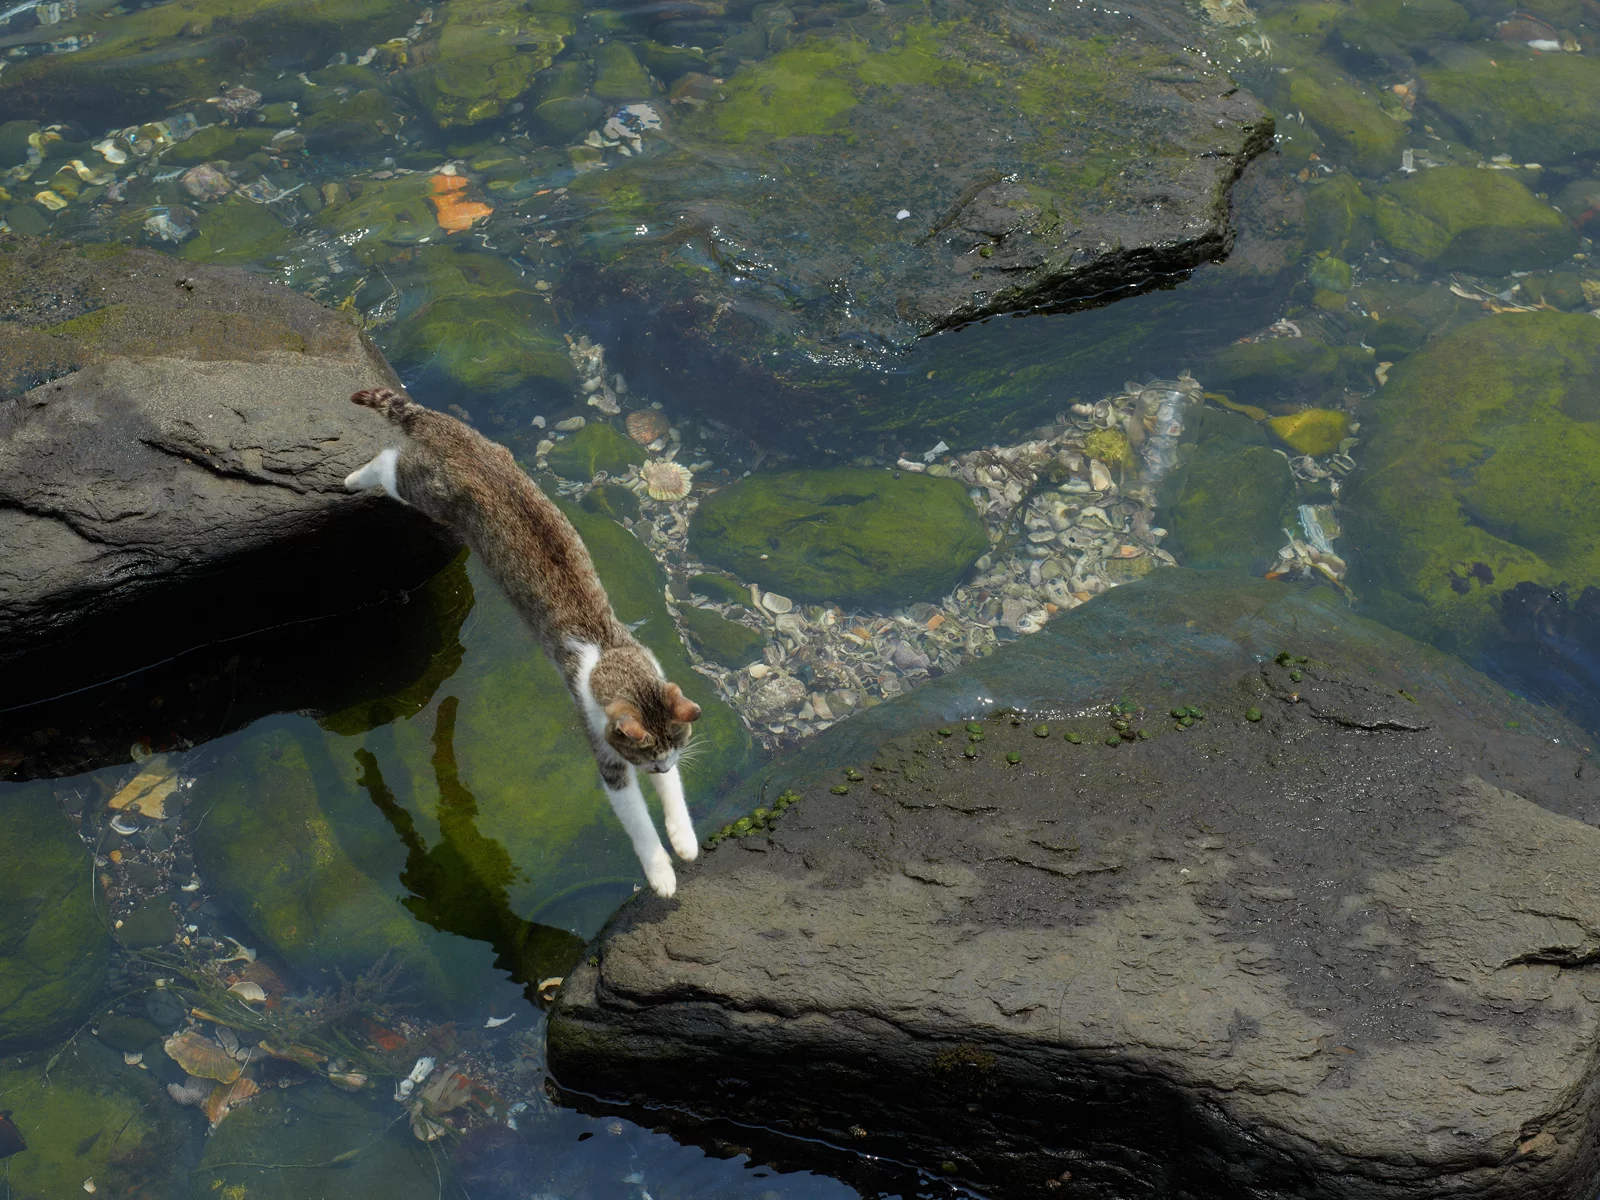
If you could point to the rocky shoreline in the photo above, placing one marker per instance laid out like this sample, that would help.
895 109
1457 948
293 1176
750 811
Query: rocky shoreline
1208 888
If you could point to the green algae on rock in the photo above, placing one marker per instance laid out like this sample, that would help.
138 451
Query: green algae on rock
486 54
1024 147
1481 471
1514 100
1339 217
722 641
1225 506
216 143
594 448
848 535
1330 273
471 316
237 233
618 75
1274 369
53 946
1314 431
1460 218
90 1117
1352 123
287 1145
392 212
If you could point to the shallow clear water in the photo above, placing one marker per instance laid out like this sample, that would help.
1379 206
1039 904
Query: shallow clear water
388 825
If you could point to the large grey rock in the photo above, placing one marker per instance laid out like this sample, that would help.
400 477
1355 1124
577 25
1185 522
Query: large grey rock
172 453
1347 950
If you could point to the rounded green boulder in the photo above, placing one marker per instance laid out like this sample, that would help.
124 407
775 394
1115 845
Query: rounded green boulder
594 448
1482 471
53 947
851 535
1475 220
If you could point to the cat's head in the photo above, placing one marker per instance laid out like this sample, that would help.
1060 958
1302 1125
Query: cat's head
651 724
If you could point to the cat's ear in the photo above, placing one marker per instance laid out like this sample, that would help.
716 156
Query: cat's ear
626 718
678 705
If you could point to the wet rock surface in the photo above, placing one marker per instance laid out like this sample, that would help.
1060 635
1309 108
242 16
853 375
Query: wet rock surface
1333 937
168 432
893 177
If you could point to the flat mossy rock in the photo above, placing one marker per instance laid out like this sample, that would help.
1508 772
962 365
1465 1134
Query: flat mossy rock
723 641
1314 431
91 1117
1461 218
848 535
146 59
472 317
237 232
356 124
216 143
618 75
53 945
391 212
1043 151
1148 946
485 55
283 1146
594 448
1225 506
1511 99
1481 471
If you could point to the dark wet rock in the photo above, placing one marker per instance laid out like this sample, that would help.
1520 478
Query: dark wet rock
1461 218
172 458
1346 950
721 640
1276 371
594 448
1509 99
1482 458
149 58
53 945
131 1035
150 926
848 535
165 1010
1041 158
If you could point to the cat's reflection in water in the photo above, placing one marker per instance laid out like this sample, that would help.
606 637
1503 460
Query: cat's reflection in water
459 886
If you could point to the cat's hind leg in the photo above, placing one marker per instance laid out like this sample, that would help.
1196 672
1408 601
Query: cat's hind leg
680 826
377 473
628 802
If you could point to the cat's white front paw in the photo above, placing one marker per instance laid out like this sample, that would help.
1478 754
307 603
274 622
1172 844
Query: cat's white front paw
683 840
658 870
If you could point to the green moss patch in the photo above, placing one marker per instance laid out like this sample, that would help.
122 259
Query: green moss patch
849 535
721 640
1513 100
1476 220
53 945
486 55
1225 507
594 448
1482 471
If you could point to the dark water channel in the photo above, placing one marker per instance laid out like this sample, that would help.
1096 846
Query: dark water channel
373 839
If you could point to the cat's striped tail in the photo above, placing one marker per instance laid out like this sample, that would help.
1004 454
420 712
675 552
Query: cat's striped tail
389 402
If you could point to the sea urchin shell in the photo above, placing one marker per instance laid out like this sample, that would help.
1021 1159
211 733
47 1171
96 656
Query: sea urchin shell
646 425
666 480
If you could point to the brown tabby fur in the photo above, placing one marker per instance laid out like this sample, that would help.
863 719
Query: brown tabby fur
461 478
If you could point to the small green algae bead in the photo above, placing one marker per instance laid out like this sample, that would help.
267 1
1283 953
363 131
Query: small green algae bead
970 751
1041 731
974 727
840 789
1114 740
946 732
1252 714
1074 739
1013 758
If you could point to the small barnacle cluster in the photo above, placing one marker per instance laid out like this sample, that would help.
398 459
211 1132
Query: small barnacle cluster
756 822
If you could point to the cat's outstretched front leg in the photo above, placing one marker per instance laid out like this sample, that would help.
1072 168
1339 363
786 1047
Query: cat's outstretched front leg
627 801
680 826
377 473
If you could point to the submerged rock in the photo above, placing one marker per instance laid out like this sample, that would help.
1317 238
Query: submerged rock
1225 506
1146 944
1459 218
847 535
174 443
53 945
721 640
1510 99
594 448
854 191
485 54
1479 474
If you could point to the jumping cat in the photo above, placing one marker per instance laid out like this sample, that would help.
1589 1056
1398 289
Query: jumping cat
635 718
